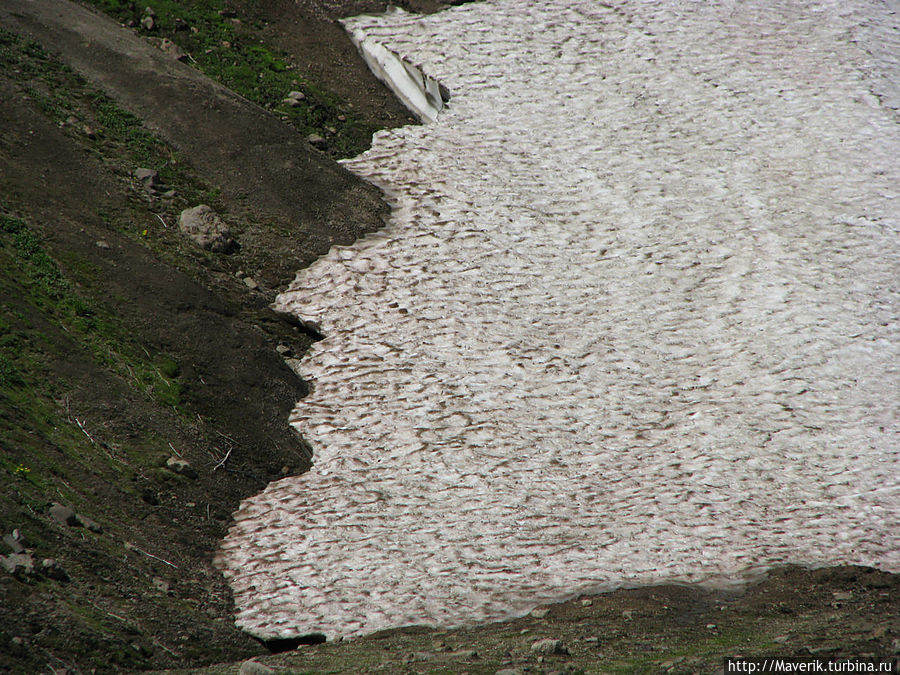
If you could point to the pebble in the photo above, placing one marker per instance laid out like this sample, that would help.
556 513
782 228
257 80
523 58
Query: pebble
51 568
14 541
464 654
64 515
549 647
317 141
181 466
254 668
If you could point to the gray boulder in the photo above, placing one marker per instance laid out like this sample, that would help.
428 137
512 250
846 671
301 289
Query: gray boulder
207 229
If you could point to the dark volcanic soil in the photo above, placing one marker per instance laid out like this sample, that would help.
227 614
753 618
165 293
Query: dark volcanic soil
124 347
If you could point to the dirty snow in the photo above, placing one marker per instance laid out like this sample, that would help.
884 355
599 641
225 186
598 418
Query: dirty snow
634 319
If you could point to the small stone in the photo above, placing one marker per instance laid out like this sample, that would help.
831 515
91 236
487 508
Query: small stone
206 228
173 49
292 102
284 350
297 96
148 177
592 640
317 141
780 639
148 22
254 668
539 612
671 663
549 647
587 602
71 120
711 626
14 543
51 568
101 243
64 515
842 595
181 467
628 614
149 11
19 564
90 524
251 284
89 131
161 584
466 654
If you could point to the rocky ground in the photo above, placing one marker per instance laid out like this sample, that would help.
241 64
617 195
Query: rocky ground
143 390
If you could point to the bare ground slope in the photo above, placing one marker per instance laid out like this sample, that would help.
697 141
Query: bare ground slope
124 346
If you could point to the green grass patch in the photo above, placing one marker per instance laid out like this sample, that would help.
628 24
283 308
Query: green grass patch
229 50
48 290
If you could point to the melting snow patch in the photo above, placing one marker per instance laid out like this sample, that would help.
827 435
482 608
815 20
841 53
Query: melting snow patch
635 318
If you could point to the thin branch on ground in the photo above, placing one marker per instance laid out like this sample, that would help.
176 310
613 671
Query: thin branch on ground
221 464
81 426
132 547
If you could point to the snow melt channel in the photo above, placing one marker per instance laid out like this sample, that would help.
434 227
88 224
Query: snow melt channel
635 318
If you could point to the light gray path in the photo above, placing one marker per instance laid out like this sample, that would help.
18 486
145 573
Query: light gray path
635 319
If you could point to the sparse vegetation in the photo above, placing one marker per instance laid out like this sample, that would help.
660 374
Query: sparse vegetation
228 48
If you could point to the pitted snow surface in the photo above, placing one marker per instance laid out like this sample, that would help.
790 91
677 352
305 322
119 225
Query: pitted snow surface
635 318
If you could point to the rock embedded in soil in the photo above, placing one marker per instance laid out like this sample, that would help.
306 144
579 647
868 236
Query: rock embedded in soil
202 224
14 541
64 515
18 564
549 647
181 466
51 568
317 142
254 668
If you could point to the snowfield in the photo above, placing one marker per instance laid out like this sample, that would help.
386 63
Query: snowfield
635 318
